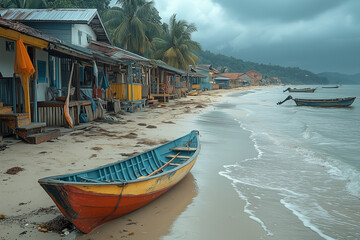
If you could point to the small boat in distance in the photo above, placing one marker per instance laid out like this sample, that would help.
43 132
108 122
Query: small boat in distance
309 90
91 198
335 102
331 87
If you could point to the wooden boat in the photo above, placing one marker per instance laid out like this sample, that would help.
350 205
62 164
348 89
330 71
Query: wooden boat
91 198
335 102
309 90
193 93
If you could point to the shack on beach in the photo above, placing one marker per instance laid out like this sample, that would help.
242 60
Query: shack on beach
209 72
165 82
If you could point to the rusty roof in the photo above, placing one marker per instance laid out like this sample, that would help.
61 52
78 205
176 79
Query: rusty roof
21 28
231 75
70 15
195 74
115 52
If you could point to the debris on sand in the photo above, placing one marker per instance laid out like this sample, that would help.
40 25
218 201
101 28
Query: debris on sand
2 216
58 225
200 106
93 156
147 142
130 135
168 122
3 147
128 154
142 124
151 126
97 148
14 170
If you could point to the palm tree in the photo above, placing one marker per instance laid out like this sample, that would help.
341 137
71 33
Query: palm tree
132 24
175 46
23 3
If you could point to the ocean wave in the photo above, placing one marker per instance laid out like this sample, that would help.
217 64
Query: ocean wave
304 219
335 168
247 210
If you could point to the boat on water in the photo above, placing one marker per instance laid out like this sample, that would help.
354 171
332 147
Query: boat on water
93 197
335 102
309 90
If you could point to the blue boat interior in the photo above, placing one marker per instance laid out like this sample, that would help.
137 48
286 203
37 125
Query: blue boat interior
180 151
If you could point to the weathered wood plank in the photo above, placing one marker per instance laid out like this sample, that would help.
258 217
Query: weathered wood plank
6 109
183 157
43 137
183 149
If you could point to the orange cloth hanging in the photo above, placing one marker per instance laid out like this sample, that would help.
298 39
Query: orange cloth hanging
24 67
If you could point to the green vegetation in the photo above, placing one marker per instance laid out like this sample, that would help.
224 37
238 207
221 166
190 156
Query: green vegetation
23 4
174 46
293 75
131 26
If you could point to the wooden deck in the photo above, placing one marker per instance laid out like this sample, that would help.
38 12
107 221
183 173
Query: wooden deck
161 97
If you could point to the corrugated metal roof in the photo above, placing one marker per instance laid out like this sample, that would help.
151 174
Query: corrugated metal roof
172 69
62 15
69 15
115 52
195 74
222 78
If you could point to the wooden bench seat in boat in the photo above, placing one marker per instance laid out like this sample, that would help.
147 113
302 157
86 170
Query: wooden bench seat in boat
179 156
183 149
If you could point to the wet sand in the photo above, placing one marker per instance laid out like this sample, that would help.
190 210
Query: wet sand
203 200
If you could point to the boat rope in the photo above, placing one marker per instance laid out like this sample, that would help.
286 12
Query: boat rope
116 206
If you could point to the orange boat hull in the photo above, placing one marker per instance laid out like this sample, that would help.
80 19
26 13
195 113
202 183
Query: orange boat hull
88 206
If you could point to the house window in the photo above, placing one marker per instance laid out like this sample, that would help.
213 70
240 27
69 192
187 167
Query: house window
41 65
88 37
10 46
79 36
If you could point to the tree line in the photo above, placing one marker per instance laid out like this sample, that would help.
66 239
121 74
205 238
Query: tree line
293 75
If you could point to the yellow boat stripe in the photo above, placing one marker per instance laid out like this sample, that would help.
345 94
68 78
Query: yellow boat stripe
142 187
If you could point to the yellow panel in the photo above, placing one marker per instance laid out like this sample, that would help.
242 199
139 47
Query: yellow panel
196 86
143 187
119 91
14 35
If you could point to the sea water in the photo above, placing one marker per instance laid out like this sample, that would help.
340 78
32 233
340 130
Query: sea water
306 173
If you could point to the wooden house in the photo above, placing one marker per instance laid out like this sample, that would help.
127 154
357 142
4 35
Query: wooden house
255 77
129 79
193 80
17 114
165 82
209 72
223 82
235 79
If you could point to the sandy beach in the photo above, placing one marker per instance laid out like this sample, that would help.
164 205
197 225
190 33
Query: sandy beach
25 206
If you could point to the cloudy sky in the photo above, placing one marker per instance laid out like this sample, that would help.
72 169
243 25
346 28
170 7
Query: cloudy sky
317 35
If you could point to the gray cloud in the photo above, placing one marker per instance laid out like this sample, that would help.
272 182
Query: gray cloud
321 35
283 10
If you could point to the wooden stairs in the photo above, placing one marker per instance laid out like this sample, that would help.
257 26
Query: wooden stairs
152 101
21 125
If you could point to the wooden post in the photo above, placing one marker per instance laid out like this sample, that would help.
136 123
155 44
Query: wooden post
77 81
14 93
35 100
